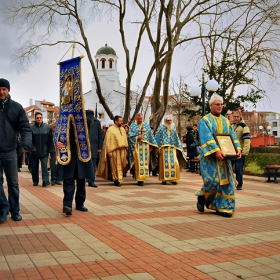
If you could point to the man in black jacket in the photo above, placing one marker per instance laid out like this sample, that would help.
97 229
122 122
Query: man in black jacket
75 170
96 141
42 146
13 120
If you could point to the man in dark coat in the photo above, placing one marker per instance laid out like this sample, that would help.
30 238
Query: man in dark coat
191 151
42 147
96 141
13 120
75 170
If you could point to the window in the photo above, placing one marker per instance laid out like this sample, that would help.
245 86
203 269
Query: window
96 63
111 63
103 63
274 124
274 133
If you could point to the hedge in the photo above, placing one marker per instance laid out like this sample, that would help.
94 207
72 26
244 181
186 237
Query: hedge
263 159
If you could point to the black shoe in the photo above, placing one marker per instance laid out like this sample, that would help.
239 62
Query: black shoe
163 183
92 185
174 183
81 208
16 216
35 184
52 183
200 203
45 184
117 183
3 216
140 183
238 187
19 170
155 174
224 214
58 183
67 210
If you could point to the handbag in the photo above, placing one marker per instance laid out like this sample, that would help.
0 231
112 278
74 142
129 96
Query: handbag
194 144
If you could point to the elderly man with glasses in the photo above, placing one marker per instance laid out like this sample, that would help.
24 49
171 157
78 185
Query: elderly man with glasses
217 192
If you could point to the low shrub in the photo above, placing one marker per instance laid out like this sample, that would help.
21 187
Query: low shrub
263 159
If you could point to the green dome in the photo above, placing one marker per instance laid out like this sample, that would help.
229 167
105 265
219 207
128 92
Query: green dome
106 50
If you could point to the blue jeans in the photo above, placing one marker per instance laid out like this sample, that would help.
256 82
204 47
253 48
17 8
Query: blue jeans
9 164
35 169
239 167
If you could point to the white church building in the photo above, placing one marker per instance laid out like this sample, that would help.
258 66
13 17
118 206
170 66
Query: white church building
106 62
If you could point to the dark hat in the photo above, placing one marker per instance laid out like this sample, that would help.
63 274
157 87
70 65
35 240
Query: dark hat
189 128
4 83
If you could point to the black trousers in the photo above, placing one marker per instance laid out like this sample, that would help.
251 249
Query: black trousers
69 191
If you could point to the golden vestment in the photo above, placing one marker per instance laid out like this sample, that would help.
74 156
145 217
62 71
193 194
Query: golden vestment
115 142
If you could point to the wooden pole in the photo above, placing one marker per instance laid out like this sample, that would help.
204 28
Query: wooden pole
73 49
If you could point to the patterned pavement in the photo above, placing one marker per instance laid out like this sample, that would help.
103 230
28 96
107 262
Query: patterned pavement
142 233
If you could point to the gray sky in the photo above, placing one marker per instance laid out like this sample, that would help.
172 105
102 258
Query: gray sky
42 78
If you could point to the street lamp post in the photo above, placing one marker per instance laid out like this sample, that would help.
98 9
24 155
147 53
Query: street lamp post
268 134
211 86
265 132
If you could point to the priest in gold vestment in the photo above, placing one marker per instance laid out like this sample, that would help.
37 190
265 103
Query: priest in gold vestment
113 158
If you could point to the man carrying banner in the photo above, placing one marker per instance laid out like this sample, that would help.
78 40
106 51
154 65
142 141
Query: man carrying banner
141 142
72 138
171 153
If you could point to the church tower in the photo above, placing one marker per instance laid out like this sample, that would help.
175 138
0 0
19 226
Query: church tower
106 67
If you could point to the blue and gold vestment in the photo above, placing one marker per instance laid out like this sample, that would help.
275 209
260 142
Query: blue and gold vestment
218 178
171 158
139 150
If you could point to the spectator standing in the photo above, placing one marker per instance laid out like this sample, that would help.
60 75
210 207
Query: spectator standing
56 167
42 146
243 134
96 140
192 150
195 132
13 120
217 192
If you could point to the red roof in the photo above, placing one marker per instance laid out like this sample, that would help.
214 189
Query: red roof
31 108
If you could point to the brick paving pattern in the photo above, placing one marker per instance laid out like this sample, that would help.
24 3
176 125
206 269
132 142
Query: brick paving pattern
142 233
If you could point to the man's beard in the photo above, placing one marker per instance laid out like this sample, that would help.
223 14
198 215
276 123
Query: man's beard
168 126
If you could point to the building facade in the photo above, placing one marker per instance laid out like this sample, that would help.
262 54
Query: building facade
106 62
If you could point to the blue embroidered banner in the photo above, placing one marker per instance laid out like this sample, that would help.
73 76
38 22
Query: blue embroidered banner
72 113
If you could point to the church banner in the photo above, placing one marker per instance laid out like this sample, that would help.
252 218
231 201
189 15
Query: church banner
72 112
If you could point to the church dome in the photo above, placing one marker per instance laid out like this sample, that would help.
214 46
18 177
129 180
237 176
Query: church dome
106 50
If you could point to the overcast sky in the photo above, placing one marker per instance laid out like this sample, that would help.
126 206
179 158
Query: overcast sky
41 80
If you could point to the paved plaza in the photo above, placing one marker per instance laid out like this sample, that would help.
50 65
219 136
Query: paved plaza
142 233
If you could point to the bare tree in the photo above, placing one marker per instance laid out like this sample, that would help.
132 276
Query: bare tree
50 16
178 101
242 50
169 24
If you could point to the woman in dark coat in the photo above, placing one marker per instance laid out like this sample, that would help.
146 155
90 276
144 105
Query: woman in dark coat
191 151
